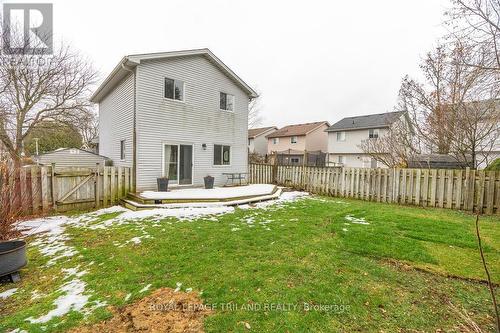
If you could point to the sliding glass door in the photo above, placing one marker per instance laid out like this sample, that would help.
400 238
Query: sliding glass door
178 164
185 164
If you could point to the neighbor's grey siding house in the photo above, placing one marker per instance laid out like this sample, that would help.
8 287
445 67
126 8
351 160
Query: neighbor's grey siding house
183 115
257 141
72 157
345 136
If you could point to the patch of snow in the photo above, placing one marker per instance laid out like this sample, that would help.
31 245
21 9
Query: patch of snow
72 299
146 288
356 220
178 286
128 297
215 193
136 240
283 198
235 229
344 229
8 293
188 290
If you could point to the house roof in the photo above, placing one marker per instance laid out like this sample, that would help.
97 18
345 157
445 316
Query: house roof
364 122
129 62
254 132
297 129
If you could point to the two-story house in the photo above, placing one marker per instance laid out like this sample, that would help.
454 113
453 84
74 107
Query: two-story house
294 140
257 141
346 135
181 115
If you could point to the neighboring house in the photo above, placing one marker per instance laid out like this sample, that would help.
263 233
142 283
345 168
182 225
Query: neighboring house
72 157
181 115
309 136
345 136
257 141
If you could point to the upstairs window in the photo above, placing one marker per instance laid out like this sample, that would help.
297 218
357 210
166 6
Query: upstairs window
341 136
222 155
122 150
276 141
373 133
226 102
341 159
174 89
293 139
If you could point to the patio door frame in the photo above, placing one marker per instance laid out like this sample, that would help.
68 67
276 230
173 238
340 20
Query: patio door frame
178 144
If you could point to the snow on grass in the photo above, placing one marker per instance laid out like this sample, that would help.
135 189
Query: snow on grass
215 193
356 220
146 288
283 198
72 299
8 293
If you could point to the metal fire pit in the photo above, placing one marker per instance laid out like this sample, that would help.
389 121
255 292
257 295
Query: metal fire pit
12 258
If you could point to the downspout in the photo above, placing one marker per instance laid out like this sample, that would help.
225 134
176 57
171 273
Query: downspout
134 135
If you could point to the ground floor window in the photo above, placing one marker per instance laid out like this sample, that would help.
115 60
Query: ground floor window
122 150
222 155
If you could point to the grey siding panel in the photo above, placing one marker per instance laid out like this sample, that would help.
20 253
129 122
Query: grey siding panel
68 158
197 120
116 117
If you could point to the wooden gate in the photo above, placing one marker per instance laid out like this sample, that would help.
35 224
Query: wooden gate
46 188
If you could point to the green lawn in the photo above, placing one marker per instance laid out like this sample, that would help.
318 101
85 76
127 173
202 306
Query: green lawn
407 269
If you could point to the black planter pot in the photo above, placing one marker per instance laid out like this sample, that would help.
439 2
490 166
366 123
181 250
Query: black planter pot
162 184
12 258
209 182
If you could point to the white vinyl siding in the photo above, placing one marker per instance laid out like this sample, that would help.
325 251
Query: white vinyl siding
197 121
116 121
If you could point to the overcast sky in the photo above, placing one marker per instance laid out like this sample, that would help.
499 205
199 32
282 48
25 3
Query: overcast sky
310 60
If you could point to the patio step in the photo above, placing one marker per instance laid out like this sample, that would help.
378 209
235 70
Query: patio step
135 205
144 201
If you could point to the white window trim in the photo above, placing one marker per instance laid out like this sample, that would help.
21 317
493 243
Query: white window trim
230 155
275 141
124 150
183 91
296 139
375 130
337 137
234 102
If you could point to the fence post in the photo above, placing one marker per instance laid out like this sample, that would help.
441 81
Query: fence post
53 186
97 191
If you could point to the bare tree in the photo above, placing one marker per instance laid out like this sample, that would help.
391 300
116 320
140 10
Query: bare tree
477 23
254 116
35 87
454 110
395 147
89 128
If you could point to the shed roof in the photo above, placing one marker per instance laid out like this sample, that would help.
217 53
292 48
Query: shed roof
364 122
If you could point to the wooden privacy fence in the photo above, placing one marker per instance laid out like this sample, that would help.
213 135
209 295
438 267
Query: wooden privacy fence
469 190
44 188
